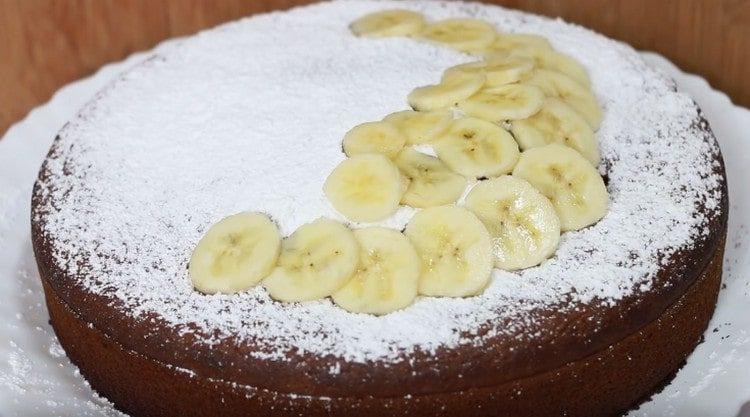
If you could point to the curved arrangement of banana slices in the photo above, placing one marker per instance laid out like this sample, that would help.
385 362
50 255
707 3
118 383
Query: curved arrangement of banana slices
431 183
568 180
448 93
477 148
523 224
365 188
467 35
509 222
420 127
235 254
558 85
315 261
386 277
374 137
556 122
498 70
455 249
388 23
506 102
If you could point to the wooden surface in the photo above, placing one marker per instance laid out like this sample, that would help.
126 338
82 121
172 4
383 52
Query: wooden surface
45 44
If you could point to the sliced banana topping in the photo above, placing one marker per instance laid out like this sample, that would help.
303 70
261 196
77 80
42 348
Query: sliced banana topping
455 249
465 35
507 42
386 277
581 99
446 94
388 23
557 122
506 102
555 61
523 224
235 254
374 137
432 183
420 127
315 261
498 70
477 148
365 188
571 183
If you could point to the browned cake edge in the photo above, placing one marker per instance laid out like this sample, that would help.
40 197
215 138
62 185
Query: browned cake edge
602 384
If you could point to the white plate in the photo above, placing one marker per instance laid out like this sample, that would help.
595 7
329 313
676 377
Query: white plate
36 378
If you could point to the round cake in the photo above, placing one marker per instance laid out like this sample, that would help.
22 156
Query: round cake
250 116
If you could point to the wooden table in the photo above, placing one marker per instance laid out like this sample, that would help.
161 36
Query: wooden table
47 43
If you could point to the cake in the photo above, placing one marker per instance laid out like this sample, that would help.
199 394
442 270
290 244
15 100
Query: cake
250 116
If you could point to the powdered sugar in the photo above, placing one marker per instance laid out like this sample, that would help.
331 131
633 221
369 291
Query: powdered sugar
250 117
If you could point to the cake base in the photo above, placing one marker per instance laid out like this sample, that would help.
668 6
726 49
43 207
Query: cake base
607 383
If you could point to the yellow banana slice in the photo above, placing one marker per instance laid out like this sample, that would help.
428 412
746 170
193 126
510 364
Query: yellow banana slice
446 94
507 102
235 254
315 261
365 188
420 127
465 35
508 42
523 224
477 148
581 99
387 276
374 137
556 61
455 250
571 183
388 23
497 70
557 122
432 183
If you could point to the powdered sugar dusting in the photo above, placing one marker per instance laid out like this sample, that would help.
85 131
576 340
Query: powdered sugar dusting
250 116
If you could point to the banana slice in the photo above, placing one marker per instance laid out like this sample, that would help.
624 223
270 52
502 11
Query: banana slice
455 249
465 35
420 127
447 93
498 70
557 122
574 187
507 102
580 98
555 61
235 254
523 224
315 261
365 188
387 276
374 137
388 23
508 42
477 148
432 183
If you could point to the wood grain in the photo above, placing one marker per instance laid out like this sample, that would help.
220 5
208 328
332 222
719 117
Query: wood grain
47 43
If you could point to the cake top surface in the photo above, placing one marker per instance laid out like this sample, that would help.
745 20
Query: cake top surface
250 117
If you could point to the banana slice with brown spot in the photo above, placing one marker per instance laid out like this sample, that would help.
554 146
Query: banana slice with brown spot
581 99
455 250
523 224
420 127
569 181
506 102
386 277
477 148
557 122
431 183
446 94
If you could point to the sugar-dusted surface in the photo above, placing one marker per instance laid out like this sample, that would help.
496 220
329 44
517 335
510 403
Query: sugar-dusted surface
250 117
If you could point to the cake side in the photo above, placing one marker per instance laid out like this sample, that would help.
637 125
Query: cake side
530 321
